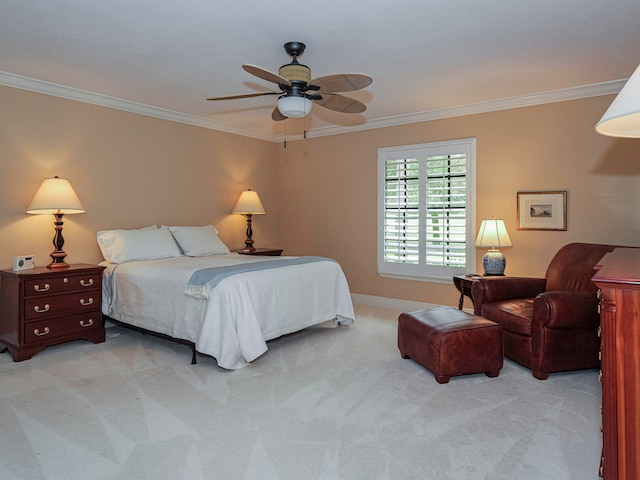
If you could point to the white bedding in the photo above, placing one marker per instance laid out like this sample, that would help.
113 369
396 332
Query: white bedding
244 311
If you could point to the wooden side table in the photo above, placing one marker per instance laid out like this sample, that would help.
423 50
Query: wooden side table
42 307
463 284
267 252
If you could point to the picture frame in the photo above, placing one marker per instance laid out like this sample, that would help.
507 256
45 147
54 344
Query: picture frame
542 210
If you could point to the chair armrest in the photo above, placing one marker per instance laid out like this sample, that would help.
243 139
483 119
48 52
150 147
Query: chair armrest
494 289
566 310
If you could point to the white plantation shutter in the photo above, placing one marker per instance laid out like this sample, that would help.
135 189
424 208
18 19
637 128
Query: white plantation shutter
426 210
401 211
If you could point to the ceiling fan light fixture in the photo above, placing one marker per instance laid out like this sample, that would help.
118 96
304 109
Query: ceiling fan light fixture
294 106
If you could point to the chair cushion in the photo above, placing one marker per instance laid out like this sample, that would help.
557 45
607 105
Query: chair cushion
513 315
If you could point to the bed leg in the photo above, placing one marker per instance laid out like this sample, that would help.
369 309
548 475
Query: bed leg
193 354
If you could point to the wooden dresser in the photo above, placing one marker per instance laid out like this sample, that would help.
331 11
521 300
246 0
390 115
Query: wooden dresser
618 278
42 307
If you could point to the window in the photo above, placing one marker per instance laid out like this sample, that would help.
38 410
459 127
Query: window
426 210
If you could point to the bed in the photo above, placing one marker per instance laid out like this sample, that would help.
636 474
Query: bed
233 314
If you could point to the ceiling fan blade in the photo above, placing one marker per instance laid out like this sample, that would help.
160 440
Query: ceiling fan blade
340 103
277 116
266 74
342 82
245 95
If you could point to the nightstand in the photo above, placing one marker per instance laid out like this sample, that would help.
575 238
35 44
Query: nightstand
463 284
268 252
42 307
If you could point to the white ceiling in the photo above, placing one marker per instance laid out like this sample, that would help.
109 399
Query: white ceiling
427 58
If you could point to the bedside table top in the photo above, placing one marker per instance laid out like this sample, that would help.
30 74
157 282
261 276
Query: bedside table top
47 271
273 252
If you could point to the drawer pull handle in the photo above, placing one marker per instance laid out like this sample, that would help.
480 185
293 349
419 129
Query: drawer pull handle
88 324
45 309
41 333
86 302
43 289
86 284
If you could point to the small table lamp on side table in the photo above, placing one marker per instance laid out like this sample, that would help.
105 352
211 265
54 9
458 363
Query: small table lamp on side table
493 234
56 196
249 204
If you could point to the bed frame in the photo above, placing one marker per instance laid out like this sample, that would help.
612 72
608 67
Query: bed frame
144 331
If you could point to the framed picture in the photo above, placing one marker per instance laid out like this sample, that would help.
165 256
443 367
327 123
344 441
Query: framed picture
542 210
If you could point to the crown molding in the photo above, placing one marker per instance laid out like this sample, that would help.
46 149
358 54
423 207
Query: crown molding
611 87
85 96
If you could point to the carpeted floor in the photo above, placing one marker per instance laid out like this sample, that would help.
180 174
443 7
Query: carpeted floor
326 403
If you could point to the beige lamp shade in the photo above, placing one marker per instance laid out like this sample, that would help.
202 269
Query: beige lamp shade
249 204
56 195
493 234
622 118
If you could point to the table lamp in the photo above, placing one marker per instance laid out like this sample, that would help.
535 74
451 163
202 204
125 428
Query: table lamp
56 196
249 204
493 234
622 118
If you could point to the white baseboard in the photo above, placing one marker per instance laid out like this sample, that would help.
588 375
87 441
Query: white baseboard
393 303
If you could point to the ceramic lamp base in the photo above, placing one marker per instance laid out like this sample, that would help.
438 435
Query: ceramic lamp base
494 262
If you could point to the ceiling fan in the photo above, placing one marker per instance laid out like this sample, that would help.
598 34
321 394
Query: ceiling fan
298 92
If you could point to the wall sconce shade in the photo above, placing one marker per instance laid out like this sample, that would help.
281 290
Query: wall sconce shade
56 196
622 118
249 204
294 106
493 234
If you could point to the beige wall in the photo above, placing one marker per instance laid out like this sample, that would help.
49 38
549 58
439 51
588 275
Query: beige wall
320 193
129 171
330 188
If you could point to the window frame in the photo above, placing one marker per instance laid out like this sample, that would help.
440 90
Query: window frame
422 271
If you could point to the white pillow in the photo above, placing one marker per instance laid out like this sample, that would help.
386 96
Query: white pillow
147 243
106 237
199 241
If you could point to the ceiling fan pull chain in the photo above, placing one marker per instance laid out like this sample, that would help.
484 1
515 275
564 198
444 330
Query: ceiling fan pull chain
285 133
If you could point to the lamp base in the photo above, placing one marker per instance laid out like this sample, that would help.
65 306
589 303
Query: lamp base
57 256
58 261
494 263
248 243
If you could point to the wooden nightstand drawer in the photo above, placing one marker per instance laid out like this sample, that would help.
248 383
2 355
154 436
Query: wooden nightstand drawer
55 285
51 306
53 328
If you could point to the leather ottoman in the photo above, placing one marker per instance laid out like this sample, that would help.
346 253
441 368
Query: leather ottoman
451 342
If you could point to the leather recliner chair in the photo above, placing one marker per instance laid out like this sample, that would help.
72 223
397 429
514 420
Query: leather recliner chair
549 324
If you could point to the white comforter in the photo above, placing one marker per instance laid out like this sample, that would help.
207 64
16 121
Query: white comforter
244 311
